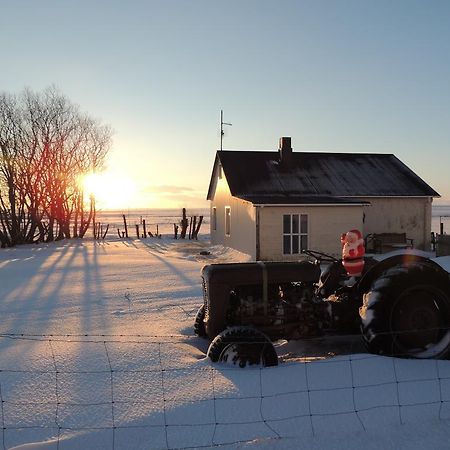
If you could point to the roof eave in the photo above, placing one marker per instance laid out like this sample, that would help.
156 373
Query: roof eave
436 195
211 181
309 204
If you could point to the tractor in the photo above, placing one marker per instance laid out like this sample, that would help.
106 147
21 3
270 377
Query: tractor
400 305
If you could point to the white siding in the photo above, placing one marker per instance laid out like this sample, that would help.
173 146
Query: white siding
400 215
325 226
242 214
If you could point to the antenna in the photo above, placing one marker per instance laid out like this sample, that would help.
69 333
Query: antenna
222 123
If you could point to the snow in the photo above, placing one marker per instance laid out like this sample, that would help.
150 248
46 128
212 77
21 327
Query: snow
443 261
97 352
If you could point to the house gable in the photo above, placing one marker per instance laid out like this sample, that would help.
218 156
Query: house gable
216 175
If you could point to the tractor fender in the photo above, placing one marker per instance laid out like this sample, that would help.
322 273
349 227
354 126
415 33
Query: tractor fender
398 260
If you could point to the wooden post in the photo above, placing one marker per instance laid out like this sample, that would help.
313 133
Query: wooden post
118 232
157 230
184 225
145 228
194 224
125 225
106 231
197 228
137 231
175 230
190 228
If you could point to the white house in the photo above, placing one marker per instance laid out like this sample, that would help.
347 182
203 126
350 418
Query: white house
274 204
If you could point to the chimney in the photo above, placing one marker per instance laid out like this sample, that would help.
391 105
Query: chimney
285 151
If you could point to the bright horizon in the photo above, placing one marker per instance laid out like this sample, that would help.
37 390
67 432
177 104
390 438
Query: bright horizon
369 77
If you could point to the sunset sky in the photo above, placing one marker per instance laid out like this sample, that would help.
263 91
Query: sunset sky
338 76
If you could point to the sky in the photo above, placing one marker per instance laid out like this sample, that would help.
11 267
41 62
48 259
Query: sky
337 76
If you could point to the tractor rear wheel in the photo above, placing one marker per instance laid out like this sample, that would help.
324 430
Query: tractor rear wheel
199 324
407 312
243 346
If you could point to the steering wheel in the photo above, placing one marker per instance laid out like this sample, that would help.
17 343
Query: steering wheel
320 256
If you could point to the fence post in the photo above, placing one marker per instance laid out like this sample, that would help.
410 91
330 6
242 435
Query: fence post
184 225
125 225
106 232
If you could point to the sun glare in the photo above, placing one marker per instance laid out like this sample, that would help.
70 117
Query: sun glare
111 191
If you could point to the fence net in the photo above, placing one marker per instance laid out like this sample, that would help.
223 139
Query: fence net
140 392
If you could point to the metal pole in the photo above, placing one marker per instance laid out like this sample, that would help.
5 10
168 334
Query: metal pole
222 123
221 128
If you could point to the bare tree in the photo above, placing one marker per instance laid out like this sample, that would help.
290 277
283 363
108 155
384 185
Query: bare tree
47 145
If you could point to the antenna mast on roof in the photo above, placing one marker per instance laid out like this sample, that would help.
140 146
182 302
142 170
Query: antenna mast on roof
222 123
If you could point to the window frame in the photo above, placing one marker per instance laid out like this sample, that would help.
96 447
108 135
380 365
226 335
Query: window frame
295 230
228 221
214 219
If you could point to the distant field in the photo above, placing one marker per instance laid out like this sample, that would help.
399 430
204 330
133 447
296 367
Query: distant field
165 218
161 218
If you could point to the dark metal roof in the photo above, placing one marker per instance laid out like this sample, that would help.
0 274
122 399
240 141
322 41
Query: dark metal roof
255 174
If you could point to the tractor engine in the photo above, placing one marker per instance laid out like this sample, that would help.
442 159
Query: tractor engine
291 311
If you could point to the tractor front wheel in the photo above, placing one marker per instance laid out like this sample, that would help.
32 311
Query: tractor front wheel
243 346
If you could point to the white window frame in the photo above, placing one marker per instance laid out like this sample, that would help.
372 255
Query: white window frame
227 220
291 233
214 219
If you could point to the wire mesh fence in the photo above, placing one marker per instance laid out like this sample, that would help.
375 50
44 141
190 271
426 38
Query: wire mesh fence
141 392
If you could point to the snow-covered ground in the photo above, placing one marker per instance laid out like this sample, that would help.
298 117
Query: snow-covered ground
97 352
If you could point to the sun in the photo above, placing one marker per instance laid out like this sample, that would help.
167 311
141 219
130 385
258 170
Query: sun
110 190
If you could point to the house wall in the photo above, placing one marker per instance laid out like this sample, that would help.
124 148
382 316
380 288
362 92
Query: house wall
325 226
243 229
400 215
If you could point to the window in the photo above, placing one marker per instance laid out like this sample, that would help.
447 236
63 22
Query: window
227 221
295 233
214 219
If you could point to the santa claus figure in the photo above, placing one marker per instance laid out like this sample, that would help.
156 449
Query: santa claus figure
353 252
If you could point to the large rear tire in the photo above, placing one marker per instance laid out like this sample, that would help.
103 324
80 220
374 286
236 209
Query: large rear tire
243 346
199 324
407 312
